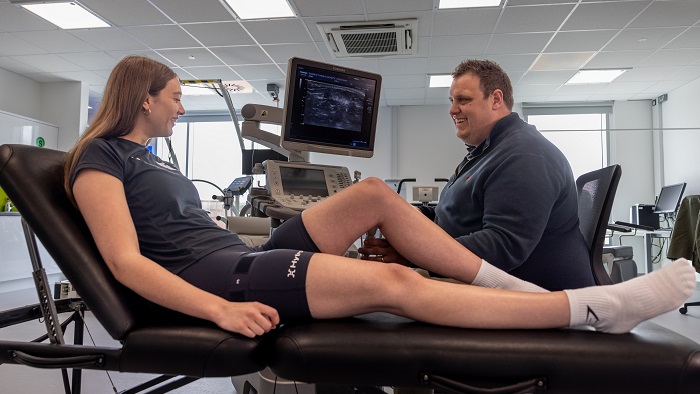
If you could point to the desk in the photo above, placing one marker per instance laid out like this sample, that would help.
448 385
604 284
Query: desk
649 237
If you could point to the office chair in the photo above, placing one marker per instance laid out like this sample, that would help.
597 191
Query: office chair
596 192
152 339
685 237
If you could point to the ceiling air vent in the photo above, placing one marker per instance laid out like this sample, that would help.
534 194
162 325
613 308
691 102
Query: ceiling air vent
377 38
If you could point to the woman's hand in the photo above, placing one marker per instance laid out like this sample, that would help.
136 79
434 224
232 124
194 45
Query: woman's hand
247 318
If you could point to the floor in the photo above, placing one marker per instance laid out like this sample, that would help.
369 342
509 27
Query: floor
20 379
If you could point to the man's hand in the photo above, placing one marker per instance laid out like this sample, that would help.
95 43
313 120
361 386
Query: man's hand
379 249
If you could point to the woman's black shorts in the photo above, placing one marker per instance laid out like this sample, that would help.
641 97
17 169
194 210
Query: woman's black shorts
273 274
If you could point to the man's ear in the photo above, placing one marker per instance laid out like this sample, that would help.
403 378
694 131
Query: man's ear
497 99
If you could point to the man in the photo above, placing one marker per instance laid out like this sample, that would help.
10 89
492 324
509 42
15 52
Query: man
512 200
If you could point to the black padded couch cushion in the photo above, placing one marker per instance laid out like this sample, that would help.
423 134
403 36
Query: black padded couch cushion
380 349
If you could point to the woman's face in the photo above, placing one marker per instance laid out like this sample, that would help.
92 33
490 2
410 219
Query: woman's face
165 108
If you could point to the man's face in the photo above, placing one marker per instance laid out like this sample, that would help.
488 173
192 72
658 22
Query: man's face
472 114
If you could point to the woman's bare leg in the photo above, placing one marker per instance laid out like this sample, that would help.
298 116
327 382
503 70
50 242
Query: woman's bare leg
340 287
337 222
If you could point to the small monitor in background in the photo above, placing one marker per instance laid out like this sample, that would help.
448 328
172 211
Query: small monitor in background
669 198
251 157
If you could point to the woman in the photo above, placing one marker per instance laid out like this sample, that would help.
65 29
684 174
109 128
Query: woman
147 222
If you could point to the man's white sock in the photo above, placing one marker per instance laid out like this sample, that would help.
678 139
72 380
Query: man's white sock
493 277
619 308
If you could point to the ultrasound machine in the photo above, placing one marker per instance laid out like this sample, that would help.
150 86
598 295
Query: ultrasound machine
327 109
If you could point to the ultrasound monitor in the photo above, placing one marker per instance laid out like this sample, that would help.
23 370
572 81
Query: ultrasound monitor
669 198
330 109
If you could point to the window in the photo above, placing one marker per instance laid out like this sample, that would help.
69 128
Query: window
208 152
580 132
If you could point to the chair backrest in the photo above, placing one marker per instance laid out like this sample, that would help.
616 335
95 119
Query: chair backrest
596 192
33 179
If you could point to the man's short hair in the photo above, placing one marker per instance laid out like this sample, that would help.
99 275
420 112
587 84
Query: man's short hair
491 77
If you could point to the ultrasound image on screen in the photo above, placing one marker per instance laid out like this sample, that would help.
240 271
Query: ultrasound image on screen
333 106
303 181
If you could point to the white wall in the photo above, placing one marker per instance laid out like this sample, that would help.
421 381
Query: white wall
681 137
20 95
428 147
65 105
378 165
631 147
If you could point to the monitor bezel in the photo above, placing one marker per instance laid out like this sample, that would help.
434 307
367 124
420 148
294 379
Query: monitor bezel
678 203
295 144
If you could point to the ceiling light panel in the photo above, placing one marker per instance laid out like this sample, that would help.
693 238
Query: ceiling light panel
447 4
66 15
594 76
261 9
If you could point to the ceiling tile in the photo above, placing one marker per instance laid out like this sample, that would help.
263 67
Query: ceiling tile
533 19
13 18
127 12
329 8
458 45
48 63
223 73
383 6
648 74
12 44
278 31
404 93
242 55
625 87
162 37
263 71
561 61
509 44
403 66
578 41
57 41
621 59
546 77
688 39
405 81
110 39
672 57
640 39
458 22
92 60
184 11
604 15
219 33
281 53
190 57
446 64
511 63
669 13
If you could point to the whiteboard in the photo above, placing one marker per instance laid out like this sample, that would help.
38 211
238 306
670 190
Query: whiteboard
16 129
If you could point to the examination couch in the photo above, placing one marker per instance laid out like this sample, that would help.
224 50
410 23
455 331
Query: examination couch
370 350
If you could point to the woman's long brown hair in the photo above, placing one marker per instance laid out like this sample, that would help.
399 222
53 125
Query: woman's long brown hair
131 80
